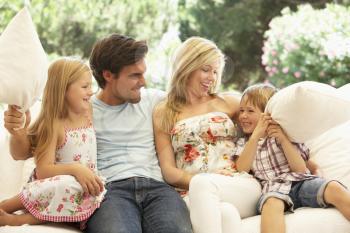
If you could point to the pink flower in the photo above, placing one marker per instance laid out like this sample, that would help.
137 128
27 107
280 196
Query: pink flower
273 53
297 74
211 137
83 136
59 208
218 119
285 70
190 153
76 157
91 166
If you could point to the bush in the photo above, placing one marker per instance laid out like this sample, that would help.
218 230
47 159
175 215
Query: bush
309 44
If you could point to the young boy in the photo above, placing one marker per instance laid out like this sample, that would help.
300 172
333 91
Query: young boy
280 165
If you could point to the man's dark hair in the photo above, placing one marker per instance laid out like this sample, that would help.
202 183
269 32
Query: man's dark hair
113 53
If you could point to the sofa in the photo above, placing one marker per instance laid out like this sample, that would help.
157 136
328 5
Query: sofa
329 148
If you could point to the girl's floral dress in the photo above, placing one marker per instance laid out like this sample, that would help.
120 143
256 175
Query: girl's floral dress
205 144
61 198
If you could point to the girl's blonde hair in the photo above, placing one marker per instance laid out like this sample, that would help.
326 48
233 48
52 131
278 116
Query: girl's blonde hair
259 94
61 74
194 53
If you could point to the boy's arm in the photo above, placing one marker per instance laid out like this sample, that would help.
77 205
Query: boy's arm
20 148
314 168
246 158
293 155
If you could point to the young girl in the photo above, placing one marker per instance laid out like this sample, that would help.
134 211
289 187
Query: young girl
65 186
280 165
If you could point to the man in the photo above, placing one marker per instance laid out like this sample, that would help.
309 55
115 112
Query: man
137 198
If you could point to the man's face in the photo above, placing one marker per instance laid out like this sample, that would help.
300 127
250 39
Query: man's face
126 86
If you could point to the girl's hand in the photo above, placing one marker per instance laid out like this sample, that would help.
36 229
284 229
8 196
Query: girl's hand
260 129
275 130
88 180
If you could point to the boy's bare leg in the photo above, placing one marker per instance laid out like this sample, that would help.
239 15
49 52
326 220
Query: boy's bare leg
338 196
12 204
17 220
272 216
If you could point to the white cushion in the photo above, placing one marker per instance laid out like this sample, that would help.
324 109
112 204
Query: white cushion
47 228
308 109
331 152
306 220
11 171
23 62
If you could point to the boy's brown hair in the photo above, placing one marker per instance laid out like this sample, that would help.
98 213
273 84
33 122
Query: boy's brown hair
259 94
113 53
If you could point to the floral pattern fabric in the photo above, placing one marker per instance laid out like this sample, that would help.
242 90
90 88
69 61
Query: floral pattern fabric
61 198
205 143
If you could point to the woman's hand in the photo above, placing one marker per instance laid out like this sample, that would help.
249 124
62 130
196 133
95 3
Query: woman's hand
224 172
88 180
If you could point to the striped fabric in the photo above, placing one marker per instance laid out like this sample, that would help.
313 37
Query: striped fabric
271 167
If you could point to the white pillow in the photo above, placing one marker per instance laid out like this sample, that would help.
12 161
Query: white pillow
307 109
331 152
11 171
23 62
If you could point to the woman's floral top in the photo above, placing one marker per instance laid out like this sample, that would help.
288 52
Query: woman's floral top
205 143
61 198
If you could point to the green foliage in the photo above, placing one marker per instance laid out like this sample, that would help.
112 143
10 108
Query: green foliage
237 27
70 27
309 44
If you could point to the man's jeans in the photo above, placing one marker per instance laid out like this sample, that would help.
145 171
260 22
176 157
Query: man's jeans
138 205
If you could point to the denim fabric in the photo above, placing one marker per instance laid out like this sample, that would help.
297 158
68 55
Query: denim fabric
306 193
309 193
139 204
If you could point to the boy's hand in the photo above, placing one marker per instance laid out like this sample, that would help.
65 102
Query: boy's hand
260 129
275 130
13 120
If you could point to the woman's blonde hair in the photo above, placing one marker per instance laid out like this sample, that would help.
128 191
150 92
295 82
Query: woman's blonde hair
194 53
259 94
61 74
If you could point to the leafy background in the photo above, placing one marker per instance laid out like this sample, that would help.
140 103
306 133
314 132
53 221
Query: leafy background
241 28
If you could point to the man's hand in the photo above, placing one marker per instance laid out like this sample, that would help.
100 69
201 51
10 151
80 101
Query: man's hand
13 120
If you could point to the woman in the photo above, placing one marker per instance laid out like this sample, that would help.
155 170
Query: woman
195 136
